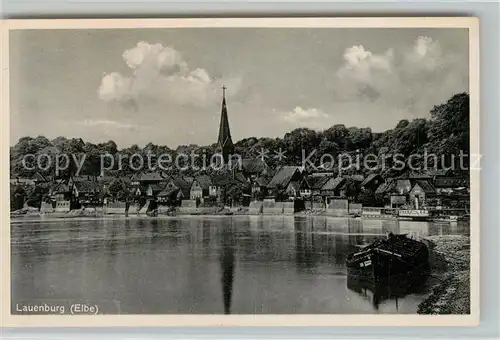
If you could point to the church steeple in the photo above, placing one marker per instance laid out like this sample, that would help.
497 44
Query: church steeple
224 142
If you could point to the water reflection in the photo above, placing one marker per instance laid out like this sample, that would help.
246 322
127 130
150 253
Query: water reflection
227 260
355 230
154 231
387 290
303 244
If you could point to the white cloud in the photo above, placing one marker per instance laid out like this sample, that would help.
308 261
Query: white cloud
413 79
160 73
299 114
365 73
299 117
361 64
157 55
114 86
390 84
103 123
425 53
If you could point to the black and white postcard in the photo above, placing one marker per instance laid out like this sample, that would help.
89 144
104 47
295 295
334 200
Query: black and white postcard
292 171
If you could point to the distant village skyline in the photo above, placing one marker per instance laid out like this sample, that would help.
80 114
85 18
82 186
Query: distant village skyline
164 86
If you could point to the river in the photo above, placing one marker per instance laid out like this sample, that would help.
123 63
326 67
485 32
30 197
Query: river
207 264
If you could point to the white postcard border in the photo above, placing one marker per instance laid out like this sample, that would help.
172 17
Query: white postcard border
8 320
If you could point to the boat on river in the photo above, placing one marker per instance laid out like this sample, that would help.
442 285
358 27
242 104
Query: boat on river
447 219
414 214
388 257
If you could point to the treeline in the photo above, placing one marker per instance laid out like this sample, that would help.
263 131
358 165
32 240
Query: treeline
446 132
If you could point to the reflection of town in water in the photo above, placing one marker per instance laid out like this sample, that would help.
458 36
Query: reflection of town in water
247 264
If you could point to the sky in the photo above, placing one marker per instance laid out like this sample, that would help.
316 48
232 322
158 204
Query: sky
136 86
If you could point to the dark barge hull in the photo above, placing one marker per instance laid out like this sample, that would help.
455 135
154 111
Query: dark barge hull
389 288
396 256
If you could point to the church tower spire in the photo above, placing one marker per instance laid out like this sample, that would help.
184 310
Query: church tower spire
224 143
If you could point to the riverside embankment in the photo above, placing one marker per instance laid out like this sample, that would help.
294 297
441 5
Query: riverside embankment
450 263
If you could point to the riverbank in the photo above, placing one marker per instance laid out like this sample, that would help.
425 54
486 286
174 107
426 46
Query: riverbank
450 263
241 211
33 212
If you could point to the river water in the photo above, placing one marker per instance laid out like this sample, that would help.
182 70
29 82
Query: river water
206 265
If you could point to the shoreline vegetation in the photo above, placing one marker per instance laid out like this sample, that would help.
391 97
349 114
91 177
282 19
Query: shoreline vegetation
450 263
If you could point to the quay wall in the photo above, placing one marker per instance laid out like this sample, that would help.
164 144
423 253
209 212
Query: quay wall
318 206
339 204
144 209
115 208
236 209
309 205
336 212
188 207
98 210
62 206
207 210
270 207
134 209
255 208
338 208
372 212
46 208
164 209
288 208
115 211
355 208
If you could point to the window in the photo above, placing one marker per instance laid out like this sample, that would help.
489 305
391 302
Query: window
305 192
212 190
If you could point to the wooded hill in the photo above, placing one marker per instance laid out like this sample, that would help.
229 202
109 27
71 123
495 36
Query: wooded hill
445 132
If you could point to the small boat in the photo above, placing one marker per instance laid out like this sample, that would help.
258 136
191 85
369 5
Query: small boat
464 218
448 219
414 214
392 256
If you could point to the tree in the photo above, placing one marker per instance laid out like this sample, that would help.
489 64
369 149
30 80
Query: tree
299 141
402 124
445 133
352 188
337 134
449 126
92 165
62 143
358 139
328 147
17 195
108 147
34 198
369 199
411 138
76 145
117 188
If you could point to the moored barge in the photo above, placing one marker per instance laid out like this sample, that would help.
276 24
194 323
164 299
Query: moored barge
392 256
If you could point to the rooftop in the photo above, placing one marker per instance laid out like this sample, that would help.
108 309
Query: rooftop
283 176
